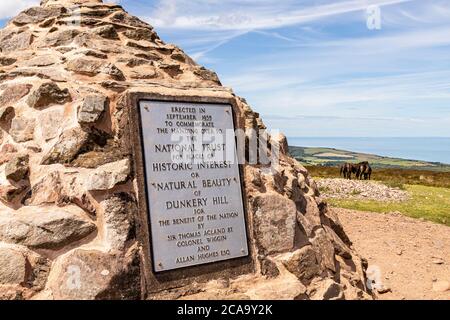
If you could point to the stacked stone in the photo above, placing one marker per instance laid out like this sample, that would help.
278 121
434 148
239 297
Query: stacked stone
67 188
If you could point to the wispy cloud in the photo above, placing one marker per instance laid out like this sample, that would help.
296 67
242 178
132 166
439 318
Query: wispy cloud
245 15
431 37
425 85
218 23
199 54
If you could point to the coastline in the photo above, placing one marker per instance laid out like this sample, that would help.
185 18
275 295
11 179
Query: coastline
332 157
424 149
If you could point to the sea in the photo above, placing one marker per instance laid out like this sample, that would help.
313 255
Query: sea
426 149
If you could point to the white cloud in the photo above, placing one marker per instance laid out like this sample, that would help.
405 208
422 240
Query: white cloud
216 23
384 92
423 12
247 15
398 41
10 8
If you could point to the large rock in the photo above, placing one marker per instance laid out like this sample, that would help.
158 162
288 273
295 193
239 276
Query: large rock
47 190
22 267
286 287
303 264
92 67
108 32
326 289
17 168
85 66
58 3
22 272
92 108
42 61
123 18
61 189
37 15
22 129
119 213
13 93
275 223
6 116
48 94
59 38
13 266
50 122
7 61
140 34
68 146
10 42
109 175
208 75
89 275
144 73
10 194
45 227
325 248
7 152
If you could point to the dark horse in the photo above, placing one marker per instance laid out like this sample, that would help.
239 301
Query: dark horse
363 171
347 169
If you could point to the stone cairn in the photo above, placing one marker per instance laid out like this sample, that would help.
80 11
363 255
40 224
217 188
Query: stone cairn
67 185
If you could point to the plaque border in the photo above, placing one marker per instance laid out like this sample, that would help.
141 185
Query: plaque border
241 182
155 285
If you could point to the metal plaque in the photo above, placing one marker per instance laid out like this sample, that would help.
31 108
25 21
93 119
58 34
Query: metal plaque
193 183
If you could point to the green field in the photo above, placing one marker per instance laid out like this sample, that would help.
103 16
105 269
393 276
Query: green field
333 157
429 203
392 177
429 191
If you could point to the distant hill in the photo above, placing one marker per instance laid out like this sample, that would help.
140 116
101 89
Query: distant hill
330 157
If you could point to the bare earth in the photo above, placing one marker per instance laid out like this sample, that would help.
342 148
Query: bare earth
412 256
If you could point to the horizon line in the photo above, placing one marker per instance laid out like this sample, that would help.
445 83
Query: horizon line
366 137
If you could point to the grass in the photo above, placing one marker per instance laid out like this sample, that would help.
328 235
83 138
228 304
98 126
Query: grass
430 203
429 192
393 177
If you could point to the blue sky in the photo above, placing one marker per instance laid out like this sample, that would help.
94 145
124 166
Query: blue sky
313 67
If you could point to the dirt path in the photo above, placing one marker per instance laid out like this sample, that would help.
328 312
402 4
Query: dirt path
411 256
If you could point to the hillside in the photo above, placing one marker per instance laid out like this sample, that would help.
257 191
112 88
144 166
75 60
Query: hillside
330 157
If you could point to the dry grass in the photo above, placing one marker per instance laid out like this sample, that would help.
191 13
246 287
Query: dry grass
393 177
